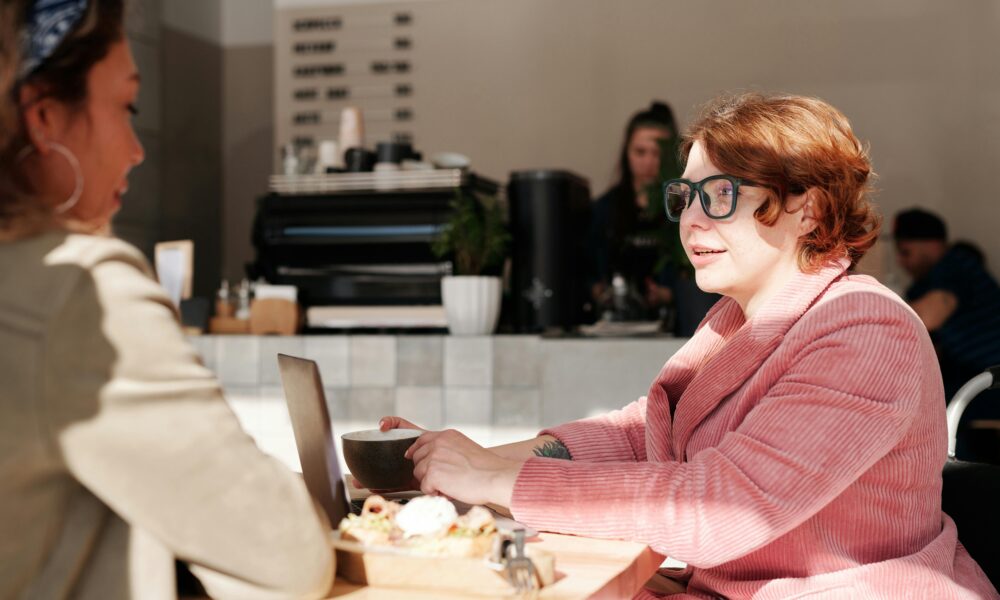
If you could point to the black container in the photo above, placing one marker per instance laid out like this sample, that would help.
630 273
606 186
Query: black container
550 220
359 160
393 152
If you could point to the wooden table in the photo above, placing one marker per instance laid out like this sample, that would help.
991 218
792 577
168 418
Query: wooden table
585 568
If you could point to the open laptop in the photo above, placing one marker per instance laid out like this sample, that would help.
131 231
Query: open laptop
314 437
317 449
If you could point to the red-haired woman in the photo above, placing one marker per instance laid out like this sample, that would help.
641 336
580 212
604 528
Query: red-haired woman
794 446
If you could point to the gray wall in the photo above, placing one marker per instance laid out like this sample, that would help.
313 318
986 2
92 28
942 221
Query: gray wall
246 146
218 93
192 162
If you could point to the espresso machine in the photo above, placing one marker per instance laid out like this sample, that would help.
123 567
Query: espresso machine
360 241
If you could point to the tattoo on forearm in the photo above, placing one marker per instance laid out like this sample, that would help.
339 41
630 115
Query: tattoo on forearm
553 449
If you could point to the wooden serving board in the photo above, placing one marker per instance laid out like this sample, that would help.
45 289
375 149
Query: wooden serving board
397 568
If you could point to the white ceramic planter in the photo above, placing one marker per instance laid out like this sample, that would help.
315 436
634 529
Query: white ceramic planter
471 303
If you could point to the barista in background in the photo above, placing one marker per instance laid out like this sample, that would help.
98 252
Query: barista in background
622 236
958 301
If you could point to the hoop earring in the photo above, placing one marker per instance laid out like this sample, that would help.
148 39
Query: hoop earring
73 163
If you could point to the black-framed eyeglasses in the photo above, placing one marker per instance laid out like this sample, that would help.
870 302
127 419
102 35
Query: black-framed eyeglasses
718 194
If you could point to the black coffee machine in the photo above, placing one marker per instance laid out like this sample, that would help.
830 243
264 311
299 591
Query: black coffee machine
550 222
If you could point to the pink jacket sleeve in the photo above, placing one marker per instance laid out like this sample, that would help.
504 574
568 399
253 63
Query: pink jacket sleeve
617 436
850 388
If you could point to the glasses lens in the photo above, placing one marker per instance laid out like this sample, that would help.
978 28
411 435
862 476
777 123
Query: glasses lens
677 195
721 196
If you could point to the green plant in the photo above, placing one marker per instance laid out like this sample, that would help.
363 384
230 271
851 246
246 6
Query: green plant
475 236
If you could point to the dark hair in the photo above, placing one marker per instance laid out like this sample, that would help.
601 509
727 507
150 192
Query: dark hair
791 144
918 224
660 116
63 76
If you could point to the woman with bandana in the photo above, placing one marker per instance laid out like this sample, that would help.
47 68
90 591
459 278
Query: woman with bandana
118 454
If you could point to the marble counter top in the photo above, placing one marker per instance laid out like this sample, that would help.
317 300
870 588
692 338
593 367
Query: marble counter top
494 388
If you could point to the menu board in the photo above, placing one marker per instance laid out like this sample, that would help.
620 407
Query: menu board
328 58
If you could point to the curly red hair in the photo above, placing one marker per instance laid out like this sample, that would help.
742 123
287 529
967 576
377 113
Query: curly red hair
791 144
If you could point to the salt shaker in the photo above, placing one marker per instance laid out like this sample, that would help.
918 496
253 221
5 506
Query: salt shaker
223 306
243 300
290 159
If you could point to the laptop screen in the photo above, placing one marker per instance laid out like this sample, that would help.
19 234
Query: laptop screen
314 435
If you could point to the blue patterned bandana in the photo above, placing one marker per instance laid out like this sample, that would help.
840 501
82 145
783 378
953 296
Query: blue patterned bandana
49 21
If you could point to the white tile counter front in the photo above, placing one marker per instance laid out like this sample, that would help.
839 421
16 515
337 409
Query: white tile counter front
495 389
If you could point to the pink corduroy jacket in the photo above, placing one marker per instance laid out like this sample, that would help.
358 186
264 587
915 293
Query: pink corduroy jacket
795 455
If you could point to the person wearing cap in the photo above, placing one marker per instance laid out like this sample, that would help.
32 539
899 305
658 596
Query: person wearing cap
959 302
952 293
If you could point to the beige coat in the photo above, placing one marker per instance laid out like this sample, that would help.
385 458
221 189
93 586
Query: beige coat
117 450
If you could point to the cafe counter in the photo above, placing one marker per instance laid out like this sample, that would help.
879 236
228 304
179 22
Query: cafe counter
496 387
441 380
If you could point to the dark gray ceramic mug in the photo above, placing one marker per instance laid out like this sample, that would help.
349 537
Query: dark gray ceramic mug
376 460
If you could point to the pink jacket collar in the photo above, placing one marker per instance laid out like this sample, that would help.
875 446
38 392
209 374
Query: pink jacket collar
722 355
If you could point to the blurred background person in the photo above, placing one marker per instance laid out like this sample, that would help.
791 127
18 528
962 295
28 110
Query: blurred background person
623 226
959 302
120 454
632 273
